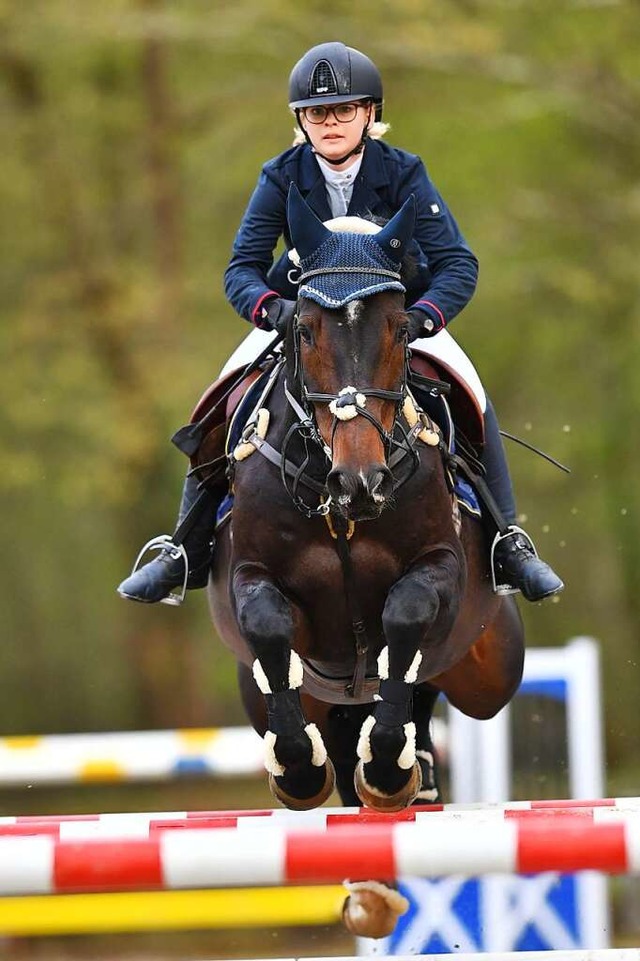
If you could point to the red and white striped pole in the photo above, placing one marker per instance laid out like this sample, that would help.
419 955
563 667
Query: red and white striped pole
140 825
229 858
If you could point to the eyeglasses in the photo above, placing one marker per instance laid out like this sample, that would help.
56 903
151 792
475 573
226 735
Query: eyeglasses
343 112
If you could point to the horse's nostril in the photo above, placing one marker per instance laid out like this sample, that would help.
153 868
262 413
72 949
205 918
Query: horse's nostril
338 484
380 483
346 486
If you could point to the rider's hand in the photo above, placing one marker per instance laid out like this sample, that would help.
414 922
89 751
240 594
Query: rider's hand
279 313
419 324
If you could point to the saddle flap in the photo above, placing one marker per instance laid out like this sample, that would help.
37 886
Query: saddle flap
465 409
202 439
214 393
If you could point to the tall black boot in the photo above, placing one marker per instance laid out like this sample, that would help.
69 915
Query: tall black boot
184 562
515 562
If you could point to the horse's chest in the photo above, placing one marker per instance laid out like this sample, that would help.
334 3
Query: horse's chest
321 566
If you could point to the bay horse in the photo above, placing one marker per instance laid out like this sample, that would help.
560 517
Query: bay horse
347 588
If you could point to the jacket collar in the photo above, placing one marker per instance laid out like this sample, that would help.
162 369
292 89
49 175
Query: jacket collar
371 176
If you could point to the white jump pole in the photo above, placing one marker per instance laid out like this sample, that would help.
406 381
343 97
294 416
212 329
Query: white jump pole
33 760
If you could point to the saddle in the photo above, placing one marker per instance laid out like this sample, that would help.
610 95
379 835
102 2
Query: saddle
465 410
218 405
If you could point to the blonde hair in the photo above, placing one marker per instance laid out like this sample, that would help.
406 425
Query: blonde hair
376 131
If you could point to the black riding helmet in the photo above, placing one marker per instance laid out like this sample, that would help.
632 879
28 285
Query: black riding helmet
334 73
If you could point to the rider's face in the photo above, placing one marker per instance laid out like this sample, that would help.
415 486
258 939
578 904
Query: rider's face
333 138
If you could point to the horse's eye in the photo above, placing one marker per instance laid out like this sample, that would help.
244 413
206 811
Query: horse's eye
402 332
305 333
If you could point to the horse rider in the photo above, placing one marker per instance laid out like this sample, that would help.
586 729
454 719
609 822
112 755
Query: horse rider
342 166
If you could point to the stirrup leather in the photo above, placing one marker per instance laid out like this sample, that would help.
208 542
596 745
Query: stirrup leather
505 589
160 543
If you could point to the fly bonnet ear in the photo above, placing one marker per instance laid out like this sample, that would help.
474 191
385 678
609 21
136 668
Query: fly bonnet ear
307 232
395 237
338 266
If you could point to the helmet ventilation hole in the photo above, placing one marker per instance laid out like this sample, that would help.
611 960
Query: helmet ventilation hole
323 80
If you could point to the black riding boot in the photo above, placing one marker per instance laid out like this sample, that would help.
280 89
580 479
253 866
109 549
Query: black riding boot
191 558
516 565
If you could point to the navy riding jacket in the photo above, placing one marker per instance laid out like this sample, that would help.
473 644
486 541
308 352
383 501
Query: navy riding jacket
447 270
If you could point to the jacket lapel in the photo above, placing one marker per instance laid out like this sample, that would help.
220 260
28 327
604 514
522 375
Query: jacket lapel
312 185
318 200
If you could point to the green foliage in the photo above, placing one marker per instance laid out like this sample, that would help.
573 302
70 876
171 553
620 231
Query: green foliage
133 132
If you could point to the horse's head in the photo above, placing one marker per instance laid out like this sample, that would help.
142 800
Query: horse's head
348 345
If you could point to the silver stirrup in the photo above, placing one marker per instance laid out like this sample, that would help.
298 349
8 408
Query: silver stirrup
159 543
505 589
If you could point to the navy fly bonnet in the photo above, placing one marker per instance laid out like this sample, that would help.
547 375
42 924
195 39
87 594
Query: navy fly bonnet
338 267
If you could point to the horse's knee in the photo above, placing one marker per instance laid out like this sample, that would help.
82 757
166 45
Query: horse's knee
264 612
411 602
266 623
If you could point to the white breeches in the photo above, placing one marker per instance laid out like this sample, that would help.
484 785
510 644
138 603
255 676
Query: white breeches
440 347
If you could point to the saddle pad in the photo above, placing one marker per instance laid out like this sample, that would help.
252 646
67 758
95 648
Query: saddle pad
466 497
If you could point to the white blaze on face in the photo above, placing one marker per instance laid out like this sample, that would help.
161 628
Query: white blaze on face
353 311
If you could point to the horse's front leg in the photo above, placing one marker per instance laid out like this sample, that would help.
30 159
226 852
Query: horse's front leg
418 614
301 775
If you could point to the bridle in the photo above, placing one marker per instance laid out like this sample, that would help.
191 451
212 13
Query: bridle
400 442
401 455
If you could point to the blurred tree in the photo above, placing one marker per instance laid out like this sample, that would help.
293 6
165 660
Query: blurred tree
133 134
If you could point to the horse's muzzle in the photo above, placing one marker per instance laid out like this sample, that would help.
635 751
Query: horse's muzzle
358 495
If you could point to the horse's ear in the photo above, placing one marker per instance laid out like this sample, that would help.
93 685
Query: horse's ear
307 232
394 238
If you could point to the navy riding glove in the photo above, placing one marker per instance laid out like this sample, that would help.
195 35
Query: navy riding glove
419 324
279 313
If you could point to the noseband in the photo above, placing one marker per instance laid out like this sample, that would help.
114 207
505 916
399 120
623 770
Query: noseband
349 402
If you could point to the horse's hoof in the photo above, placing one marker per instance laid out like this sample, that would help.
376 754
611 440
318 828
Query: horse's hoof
372 909
373 798
306 804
